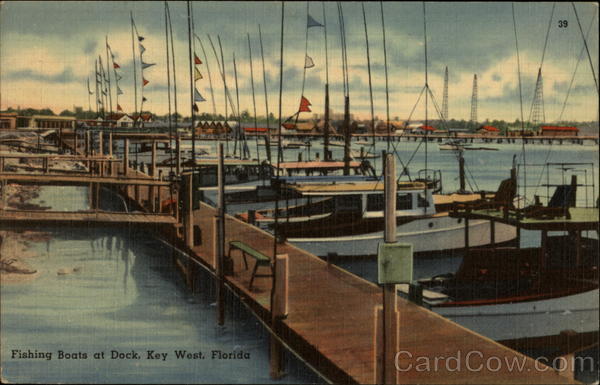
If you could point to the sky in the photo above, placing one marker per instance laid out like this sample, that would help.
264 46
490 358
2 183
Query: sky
48 49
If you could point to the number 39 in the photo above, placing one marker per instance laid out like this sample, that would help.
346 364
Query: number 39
563 24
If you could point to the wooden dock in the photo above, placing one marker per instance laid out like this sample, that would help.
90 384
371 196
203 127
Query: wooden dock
331 319
80 217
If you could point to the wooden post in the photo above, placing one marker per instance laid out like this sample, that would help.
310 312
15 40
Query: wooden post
390 317
221 237
215 239
188 215
158 208
46 165
125 156
96 196
279 312
152 190
178 160
3 194
75 143
110 144
153 171
378 344
101 143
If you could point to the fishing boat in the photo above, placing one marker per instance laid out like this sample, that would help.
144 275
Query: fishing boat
508 293
347 219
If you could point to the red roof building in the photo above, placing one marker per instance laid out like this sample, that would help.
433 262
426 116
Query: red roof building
427 128
257 130
559 131
488 130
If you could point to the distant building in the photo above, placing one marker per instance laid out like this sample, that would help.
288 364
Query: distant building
422 129
559 131
305 127
121 120
8 120
46 121
488 130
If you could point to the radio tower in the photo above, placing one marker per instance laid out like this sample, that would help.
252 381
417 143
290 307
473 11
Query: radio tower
474 101
537 114
445 100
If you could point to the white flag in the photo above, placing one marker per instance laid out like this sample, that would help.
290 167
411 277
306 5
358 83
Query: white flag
308 62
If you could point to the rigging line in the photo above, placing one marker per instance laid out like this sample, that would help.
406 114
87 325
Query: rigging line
279 154
190 59
253 97
416 104
565 102
387 92
169 90
576 67
543 55
239 116
342 46
586 47
326 50
134 67
304 65
426 136
262 55
175 120
369 71
225 94
210 83
521 102
345 51
229 97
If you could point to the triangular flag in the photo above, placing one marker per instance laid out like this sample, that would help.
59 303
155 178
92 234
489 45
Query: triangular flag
313 23
119 77
144 81
142 49
198 97
197 74
146 65
119 108
304 105
140 38
308 62
197 60
195 107
144 99
119 92
115 65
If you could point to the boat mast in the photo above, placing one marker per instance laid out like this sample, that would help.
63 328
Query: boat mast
190 58
369 71
134 69
108 78
169 88
253 97
268 136
326 155
176 117
346 92
387 93
426 101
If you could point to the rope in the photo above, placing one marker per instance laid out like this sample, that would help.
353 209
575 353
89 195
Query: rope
369 70
586 46
253 97
521 102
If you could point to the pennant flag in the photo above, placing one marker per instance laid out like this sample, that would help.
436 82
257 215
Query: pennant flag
115 65
313 23
99 101
304 105
197 60
119 92
144 81
195 107
88 85
140 38
144 99
308 62
197 74
198 97
119 108
119 77
146 65
142 49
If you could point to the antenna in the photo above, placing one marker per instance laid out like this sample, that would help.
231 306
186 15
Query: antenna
538 115
445 97
474 101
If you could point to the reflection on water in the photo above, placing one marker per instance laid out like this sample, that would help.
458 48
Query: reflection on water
118 291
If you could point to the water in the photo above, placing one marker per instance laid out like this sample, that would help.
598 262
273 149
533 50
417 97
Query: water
122 293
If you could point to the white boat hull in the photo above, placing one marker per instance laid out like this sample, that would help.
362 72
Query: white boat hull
428 235
578 312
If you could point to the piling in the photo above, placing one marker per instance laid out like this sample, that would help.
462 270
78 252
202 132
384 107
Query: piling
278 314
125 157
220 266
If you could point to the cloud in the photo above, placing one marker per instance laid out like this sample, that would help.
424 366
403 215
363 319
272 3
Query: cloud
66 76
90 46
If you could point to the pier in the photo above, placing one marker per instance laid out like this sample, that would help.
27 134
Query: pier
328 316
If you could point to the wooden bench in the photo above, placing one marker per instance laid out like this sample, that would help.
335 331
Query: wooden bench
261 259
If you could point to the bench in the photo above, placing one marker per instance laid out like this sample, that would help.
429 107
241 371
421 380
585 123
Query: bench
261 259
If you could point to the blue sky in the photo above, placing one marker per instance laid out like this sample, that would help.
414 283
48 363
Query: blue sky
48 51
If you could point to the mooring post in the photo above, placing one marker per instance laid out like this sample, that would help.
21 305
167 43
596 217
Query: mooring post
110 144
278 313
152 190
101 143
378 344
188 215
215 250
390 312
125 156
221 238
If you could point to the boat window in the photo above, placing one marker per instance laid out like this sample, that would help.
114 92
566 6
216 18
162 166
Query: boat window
348 203
403 202
375 202
422 200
